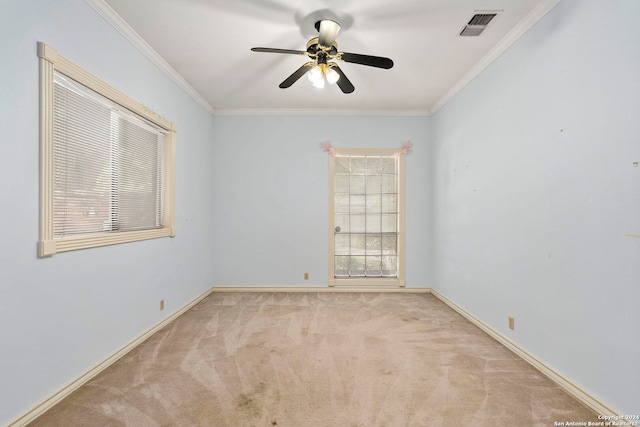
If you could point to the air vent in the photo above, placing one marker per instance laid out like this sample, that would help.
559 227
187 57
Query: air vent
482 19
477 24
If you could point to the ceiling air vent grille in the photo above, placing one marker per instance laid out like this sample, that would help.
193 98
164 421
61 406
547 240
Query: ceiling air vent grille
477 24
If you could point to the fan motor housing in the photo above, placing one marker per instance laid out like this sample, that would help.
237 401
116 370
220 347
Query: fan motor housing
313 47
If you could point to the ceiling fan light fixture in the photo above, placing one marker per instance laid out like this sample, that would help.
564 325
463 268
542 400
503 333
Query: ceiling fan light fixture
331 75
315 74
319 84
321 74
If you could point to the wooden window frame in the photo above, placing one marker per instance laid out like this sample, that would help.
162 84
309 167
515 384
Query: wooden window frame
49 245
382 282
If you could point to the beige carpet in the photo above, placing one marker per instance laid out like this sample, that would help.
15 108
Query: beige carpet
319 359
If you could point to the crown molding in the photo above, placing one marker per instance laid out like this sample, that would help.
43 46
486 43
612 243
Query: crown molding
540 10
129 33
316 112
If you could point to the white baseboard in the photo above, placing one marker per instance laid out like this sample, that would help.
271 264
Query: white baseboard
573 390
319 289
44 406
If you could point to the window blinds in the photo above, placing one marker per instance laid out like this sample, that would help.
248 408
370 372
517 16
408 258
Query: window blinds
108 164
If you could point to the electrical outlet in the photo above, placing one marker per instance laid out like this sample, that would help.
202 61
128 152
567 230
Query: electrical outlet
306 276
161 304
511 323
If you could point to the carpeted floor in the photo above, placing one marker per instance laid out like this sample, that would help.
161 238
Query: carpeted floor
319 359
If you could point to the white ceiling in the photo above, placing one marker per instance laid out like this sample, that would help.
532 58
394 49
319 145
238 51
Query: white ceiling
208 43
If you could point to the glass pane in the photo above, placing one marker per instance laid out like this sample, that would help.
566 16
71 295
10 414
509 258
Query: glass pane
341 184
341 266
374 184
389 165
373 165
388 183
342 221
373 265
341 165
374 244
357 184
358 244
341 204
358 165
373 203
389 223
342 244
358 223
373 224
357 204
389 203
357 266
389 266
389 245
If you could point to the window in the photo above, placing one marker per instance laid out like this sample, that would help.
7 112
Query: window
366 217
107 163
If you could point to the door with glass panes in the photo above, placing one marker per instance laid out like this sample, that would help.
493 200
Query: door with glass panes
366 217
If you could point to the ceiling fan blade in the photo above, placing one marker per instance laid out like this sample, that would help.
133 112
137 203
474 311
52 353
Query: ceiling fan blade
371 61
343 82
273 50
296 75
328 32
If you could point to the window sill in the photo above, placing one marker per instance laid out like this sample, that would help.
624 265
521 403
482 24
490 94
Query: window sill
368 282
51 247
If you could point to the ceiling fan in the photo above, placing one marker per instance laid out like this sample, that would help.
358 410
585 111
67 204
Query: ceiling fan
322 50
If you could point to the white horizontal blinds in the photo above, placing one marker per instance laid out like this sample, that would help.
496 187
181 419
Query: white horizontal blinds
139 183
108 164
82 182
366 216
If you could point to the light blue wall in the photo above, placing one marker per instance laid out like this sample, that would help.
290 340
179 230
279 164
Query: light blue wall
271 195
535 190
61 316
